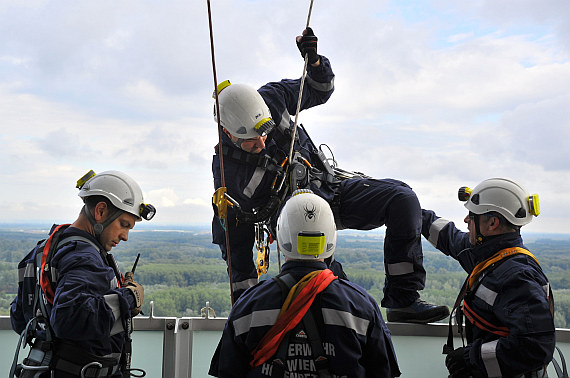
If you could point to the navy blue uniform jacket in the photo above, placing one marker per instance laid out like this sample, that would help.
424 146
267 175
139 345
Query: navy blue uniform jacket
355 338
88 309
514 295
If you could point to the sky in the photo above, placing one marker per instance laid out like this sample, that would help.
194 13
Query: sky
439 94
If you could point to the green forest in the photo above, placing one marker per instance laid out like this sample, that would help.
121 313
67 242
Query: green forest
181 269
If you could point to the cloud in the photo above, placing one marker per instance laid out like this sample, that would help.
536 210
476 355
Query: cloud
439 95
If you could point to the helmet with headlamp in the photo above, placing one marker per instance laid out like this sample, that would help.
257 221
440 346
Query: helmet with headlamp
120 189
305 228
502 196
243 112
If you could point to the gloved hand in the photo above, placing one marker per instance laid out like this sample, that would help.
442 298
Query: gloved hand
456 364
307 44
137 290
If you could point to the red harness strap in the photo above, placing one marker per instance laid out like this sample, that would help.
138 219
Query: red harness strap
44 278
289 318
472 280
481 323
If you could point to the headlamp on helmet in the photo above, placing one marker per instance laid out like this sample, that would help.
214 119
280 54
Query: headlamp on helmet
147 211
502 196
243 112
120 189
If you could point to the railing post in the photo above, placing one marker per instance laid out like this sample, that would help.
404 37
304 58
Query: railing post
177 349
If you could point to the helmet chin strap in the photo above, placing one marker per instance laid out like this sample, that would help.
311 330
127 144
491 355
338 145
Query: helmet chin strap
478 235
99 227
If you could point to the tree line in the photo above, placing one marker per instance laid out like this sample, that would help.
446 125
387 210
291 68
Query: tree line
181 271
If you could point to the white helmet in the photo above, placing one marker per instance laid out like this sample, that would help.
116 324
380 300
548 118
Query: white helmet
306 228
119 188
243 112
503 196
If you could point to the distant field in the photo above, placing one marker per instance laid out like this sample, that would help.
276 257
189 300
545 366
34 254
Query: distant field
181 269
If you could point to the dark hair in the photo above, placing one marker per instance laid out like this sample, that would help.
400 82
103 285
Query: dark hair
92 201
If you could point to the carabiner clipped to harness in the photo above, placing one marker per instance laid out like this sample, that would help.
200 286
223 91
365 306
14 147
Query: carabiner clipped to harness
262 241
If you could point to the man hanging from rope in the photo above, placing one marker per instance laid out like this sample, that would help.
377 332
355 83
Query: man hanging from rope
256 140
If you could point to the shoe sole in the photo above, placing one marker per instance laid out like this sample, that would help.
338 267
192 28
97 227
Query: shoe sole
402 319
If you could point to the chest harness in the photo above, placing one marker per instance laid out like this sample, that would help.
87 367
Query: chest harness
55 355
287 177
296 323
470 286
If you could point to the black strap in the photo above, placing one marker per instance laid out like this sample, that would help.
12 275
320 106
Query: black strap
561 373
448 346
313 335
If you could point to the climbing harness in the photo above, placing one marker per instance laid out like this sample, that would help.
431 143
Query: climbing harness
470 286
54 354
472 282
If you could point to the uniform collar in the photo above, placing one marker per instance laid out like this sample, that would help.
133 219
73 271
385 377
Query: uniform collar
302 267
495 244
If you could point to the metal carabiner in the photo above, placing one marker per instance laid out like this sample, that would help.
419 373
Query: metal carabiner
86 366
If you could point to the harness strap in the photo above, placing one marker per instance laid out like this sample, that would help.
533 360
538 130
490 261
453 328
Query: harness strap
503 253
79 363
298 302
471 283
286 282
481 323
45 281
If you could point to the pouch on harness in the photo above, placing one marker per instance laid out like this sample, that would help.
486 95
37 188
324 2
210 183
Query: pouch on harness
48 356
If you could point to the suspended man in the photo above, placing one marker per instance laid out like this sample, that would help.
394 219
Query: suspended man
257 134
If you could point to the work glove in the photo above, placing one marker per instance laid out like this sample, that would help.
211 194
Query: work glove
456 364
138 292
307 44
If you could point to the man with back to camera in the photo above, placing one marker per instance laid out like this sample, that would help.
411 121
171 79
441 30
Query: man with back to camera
305 322
78 317
256 138
507 300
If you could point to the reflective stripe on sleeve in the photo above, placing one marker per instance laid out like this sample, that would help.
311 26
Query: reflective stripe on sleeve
112 301
323 87
546 288
486 294
255 319
244 285
489 357
254 182
345 319
434 230
26 272
398 269
285 121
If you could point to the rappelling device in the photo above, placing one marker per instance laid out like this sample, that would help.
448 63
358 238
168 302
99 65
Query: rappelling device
262 240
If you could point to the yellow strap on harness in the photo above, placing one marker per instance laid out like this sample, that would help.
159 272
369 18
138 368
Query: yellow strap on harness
503 253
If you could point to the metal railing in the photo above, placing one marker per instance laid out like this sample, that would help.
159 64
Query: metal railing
179 338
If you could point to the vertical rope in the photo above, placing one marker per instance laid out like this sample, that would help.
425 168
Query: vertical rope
300 90
220 154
